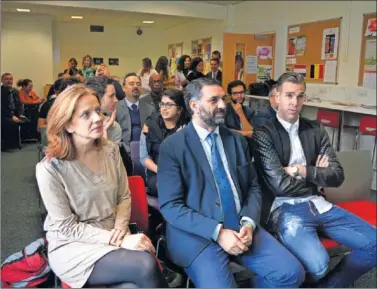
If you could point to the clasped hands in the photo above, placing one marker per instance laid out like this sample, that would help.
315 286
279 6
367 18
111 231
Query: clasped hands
235 243
136 242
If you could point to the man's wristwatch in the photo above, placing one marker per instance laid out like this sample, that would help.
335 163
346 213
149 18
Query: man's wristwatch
296 172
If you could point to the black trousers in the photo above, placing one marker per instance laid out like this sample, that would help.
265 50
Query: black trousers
152 185
128 269
9 134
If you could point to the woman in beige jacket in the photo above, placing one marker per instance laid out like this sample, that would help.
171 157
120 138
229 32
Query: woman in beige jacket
84 187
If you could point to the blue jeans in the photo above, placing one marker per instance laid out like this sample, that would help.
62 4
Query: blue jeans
274 265
297 227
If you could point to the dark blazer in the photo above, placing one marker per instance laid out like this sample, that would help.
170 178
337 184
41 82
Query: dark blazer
188 197
232 120
262 115
219 76
272 151
123 117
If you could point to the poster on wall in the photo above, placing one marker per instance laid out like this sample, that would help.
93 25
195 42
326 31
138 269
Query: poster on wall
370 56
251 64
264 72
264 52
113 61
292 47
330 40
239 62
371 27
98 60
300 45
208 52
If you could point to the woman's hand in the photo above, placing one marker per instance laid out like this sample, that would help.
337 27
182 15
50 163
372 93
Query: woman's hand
138 242
117 237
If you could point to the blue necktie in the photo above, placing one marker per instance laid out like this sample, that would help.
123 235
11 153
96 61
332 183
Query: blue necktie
225 190
134 107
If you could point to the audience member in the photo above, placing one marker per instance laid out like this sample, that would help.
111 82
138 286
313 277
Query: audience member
196 69
183 68
215 73
145 74
162 68
294 158
239 117
104 70
171 118
84 187
15 107
27 94
268 112
59 86
88 69
131 112
210 198
72 70
238 71
217 55
156 87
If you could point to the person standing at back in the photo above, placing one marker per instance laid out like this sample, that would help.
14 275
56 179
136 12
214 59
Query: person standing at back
210 198
215 73
145 73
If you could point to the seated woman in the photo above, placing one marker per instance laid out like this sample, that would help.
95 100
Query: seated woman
27 94
196 69
84 187
171 118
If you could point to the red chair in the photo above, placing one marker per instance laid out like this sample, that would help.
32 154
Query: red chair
368 126
329 118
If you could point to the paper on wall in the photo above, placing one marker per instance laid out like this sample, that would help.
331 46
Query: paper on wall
369 80
294 30
330 40
264 72
251 64
370 56
371 27
264 52
291 61
300 45
330 71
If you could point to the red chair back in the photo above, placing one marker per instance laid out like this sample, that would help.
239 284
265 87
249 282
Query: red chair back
329 118
368 125
139 208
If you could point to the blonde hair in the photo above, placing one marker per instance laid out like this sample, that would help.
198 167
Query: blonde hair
85 57
60 143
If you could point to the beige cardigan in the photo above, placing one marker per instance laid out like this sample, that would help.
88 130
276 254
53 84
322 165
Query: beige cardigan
83 208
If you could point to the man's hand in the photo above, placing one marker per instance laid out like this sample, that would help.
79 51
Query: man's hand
246 235
322 162
16 119
237 107
231 243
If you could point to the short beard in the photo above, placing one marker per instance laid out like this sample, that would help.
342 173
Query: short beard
235 101
210 119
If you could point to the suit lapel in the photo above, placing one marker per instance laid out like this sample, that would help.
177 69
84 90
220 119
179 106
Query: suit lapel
126 122
194 144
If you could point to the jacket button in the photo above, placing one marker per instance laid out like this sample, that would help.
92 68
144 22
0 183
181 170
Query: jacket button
217 204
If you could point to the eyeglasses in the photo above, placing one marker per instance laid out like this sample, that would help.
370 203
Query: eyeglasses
167 105
238 92
156 81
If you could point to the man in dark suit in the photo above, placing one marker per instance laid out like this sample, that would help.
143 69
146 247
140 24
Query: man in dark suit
131 112
215 73
210 198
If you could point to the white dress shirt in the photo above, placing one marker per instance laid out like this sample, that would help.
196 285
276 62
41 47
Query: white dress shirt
203 133
297 157
130 104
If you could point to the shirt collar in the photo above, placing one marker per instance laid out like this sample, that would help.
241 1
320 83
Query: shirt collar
202 132
289 127
130 104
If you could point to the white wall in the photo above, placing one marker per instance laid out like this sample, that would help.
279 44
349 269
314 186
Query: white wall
26 48
75 40
197 29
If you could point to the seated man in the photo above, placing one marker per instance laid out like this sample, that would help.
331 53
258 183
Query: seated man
268 112
294 157
238 116
210 198
157 87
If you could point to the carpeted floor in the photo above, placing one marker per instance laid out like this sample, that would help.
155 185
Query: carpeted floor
20 218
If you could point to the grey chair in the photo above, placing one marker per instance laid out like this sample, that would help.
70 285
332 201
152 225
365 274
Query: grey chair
358 174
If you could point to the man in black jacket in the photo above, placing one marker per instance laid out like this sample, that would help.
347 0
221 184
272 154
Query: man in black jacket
294 158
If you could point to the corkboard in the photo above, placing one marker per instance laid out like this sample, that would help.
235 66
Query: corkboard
202 48
363 44
313 53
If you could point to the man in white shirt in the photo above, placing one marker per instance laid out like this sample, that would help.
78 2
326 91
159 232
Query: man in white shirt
294 158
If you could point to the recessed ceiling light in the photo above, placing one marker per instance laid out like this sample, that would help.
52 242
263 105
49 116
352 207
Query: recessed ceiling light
77 17
23 10
148 22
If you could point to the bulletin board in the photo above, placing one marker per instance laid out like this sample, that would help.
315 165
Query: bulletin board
202 48
174 53
367 70
313 50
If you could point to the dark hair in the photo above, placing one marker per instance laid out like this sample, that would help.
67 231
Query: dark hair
129 75
178 98
194 90
195 62
23 82
216 52
73 60
240 58
5 74
99 84
216 59
291 77
162 65
235 83
62 83
147 62
270 93
181 62
86 56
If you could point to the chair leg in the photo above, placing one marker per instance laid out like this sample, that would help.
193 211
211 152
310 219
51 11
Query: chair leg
19 138
188 282
356 143
374 153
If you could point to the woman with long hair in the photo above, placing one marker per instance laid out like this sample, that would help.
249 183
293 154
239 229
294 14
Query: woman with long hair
183 68
88 69
162 68
172 117
196 69
84 187
145 73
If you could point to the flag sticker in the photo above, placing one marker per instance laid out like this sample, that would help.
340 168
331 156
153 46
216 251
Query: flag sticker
300 68
316 71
